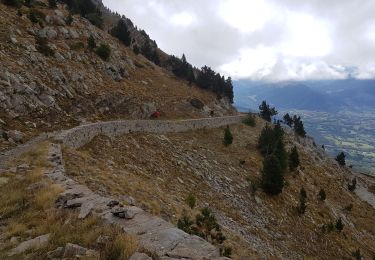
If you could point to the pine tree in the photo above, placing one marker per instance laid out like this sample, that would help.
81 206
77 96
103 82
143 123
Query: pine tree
267 141
294 159
281 155
272 177
266 112
299 129
228 137
288 120
340 158
302 202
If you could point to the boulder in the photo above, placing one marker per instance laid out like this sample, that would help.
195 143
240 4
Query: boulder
140 256
126 213
73 250
55 254
29 244
15 135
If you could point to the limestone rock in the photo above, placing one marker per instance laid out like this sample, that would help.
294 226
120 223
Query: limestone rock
29 244
140 256
73 250
15 135
126 213
55 254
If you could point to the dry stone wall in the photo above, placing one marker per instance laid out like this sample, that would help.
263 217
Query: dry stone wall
81 135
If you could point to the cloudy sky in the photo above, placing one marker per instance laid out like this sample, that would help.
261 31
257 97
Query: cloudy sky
263 39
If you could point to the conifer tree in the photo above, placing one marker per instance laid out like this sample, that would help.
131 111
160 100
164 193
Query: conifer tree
340 158
288 120
294 159
282 155
266 112
267 141
228 137
299 129
272 177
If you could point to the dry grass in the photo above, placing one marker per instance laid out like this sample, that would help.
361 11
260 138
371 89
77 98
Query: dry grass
29 212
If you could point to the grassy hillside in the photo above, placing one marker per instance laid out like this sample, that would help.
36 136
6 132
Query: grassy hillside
161 171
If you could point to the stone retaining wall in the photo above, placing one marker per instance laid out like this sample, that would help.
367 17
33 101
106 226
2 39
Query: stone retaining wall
81 135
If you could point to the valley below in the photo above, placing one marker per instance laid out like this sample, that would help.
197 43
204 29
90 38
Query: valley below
348 131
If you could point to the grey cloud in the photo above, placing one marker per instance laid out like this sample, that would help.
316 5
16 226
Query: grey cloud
211 40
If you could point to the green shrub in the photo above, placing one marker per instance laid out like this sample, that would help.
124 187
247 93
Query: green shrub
36 16
190 201
250 120
228 137
69 19
136 49
185 223
104 52
339 225
52 3
328 227
91 42
205 226
42 46
226 251
15 3
322 195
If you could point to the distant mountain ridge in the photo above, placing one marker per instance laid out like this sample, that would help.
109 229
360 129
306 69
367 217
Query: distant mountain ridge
307 95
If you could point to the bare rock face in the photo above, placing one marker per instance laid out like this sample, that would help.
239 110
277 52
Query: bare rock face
195 102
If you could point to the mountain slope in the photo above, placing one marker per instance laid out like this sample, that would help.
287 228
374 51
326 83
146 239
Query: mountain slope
45 93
